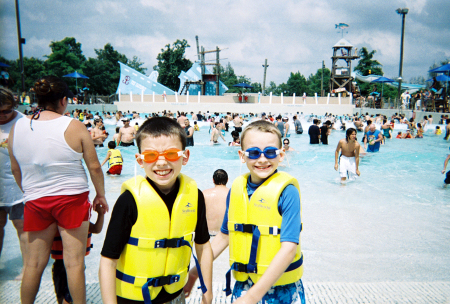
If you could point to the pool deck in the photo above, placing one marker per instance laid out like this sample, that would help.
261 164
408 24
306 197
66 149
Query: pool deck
316 292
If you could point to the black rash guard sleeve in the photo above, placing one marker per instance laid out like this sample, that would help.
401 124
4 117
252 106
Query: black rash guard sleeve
123 217
201 231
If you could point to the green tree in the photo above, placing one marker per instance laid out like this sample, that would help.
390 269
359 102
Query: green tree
136 64
33 67
66 57
228 77
315 82
171 62
295 84
104 71
367 65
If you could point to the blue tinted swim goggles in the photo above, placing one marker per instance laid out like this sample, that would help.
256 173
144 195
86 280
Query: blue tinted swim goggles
255 153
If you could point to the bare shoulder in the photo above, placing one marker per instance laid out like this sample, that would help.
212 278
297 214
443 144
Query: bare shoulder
77 127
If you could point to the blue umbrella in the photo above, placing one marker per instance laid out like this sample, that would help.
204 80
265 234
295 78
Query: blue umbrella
3 65
440 78
382 80
243 85
76 75
441 69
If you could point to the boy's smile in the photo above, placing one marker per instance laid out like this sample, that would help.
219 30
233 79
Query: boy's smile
162 172
263 167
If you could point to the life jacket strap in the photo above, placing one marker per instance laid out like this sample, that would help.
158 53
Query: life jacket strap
161 281
162 243
244 268
250 228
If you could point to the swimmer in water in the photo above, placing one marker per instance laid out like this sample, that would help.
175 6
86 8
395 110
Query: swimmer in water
215 201
215 133
286 146
349 158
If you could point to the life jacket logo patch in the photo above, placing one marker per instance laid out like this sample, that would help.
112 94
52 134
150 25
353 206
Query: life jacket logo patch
261 203
188 208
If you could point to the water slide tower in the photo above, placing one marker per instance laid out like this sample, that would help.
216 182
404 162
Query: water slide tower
341 67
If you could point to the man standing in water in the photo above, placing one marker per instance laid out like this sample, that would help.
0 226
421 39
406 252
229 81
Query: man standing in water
126 134
97 134
238 122
215 133
189 133
374 138
349 158
215 201
314 132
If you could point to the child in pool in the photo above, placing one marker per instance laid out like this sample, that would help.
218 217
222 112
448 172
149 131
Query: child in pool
153 224
268 215
115 159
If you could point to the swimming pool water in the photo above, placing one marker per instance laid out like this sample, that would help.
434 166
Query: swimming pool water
391 224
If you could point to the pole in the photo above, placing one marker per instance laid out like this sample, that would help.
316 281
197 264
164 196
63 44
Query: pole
203 69
198 50
401 57
21 41
264 80
321 84
218 71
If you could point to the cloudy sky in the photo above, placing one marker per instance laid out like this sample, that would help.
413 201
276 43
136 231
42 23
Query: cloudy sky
292 35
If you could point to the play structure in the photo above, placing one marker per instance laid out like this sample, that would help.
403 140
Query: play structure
133 82
411 88
341 67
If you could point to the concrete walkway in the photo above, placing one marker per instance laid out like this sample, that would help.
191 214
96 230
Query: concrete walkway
380 292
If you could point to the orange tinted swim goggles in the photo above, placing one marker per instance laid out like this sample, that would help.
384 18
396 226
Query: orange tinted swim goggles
150 156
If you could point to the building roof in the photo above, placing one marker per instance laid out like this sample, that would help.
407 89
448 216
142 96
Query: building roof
342 43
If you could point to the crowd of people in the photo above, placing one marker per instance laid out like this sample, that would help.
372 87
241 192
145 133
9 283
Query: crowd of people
159 217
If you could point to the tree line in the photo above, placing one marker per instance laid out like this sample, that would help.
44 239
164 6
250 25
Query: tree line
104 72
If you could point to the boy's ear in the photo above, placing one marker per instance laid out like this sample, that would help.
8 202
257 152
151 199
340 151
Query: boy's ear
282 154
139 160
186 156
241 156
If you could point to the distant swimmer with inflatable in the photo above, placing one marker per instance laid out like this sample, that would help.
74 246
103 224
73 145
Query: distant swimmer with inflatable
349 158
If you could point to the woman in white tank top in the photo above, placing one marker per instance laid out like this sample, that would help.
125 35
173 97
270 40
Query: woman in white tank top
46 151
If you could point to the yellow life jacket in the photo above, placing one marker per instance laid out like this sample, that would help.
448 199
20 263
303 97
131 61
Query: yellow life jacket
115 158
261 212
196 128
438 132
81 116
155 250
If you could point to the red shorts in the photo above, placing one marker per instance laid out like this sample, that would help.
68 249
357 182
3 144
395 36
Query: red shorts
67 211
117 169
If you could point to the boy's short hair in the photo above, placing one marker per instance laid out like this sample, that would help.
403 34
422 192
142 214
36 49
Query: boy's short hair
112 144
261 126
160 126
220 177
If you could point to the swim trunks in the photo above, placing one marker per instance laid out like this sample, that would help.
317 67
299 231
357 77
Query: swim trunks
98 145
15 211
238 129
347 167
447 178
67 211
117 169
124 144
293 293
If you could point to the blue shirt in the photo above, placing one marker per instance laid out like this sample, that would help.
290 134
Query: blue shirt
288 207
373 136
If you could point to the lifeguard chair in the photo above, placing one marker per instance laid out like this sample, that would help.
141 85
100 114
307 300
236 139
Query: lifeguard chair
341 67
